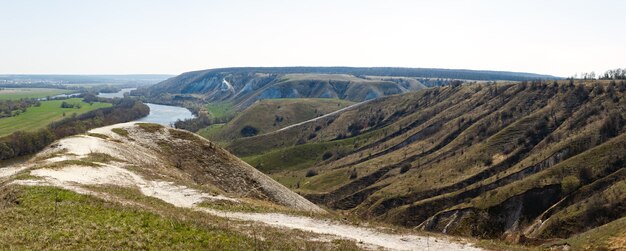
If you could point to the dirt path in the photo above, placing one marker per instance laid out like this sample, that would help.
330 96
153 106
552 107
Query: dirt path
323 116
367 237
11 170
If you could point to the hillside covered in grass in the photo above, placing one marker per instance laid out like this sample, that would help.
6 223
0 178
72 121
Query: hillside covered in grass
528 162
270 115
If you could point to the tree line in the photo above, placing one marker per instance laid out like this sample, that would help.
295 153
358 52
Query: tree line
10 108
24 143
615 74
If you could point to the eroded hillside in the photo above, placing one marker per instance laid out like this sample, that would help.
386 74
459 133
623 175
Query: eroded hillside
527 162
241 87
145 186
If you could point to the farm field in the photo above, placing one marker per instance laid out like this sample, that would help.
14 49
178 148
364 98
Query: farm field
38 117
19 93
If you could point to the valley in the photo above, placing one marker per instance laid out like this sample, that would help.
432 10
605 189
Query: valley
464 166
313 125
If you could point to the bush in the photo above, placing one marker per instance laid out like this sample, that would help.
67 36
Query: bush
612 125
405 167
487 161
327 155
149 127
353 174
249 131
120 131
301 141
585 175
310 173
70 105
194 124
569 184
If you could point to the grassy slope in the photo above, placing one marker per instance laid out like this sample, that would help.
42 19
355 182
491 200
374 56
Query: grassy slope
56 219
220 110
211 131
273 114
19 93
473 147
611 236
38 117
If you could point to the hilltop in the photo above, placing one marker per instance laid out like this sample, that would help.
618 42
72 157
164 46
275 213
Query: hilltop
529 162
241 87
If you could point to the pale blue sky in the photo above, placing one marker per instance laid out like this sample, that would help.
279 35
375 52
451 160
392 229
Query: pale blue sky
160 36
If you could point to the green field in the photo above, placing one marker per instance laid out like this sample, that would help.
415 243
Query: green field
19 93
39 117
211 131
220 110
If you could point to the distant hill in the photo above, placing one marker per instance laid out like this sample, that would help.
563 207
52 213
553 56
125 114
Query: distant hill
244 86
138 79
526 162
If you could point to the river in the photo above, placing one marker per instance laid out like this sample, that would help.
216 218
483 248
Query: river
159 114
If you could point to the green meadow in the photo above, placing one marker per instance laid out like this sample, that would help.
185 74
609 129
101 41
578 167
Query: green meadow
39 117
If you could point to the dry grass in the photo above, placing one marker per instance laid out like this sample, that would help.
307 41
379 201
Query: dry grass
56 219
479 146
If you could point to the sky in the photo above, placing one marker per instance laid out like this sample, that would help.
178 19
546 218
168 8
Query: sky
557 37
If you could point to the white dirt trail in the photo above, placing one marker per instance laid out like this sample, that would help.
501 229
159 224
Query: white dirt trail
367 237
351 107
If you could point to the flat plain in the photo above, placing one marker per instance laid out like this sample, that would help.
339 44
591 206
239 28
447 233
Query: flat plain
38 117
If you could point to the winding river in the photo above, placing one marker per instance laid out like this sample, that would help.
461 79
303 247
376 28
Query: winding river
159 114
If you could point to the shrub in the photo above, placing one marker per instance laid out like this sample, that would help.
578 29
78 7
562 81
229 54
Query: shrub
120 131
612 125
310 173
487 161
569 184
353 174
301 141
585 175
405 167
327 155
249 131
149 127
